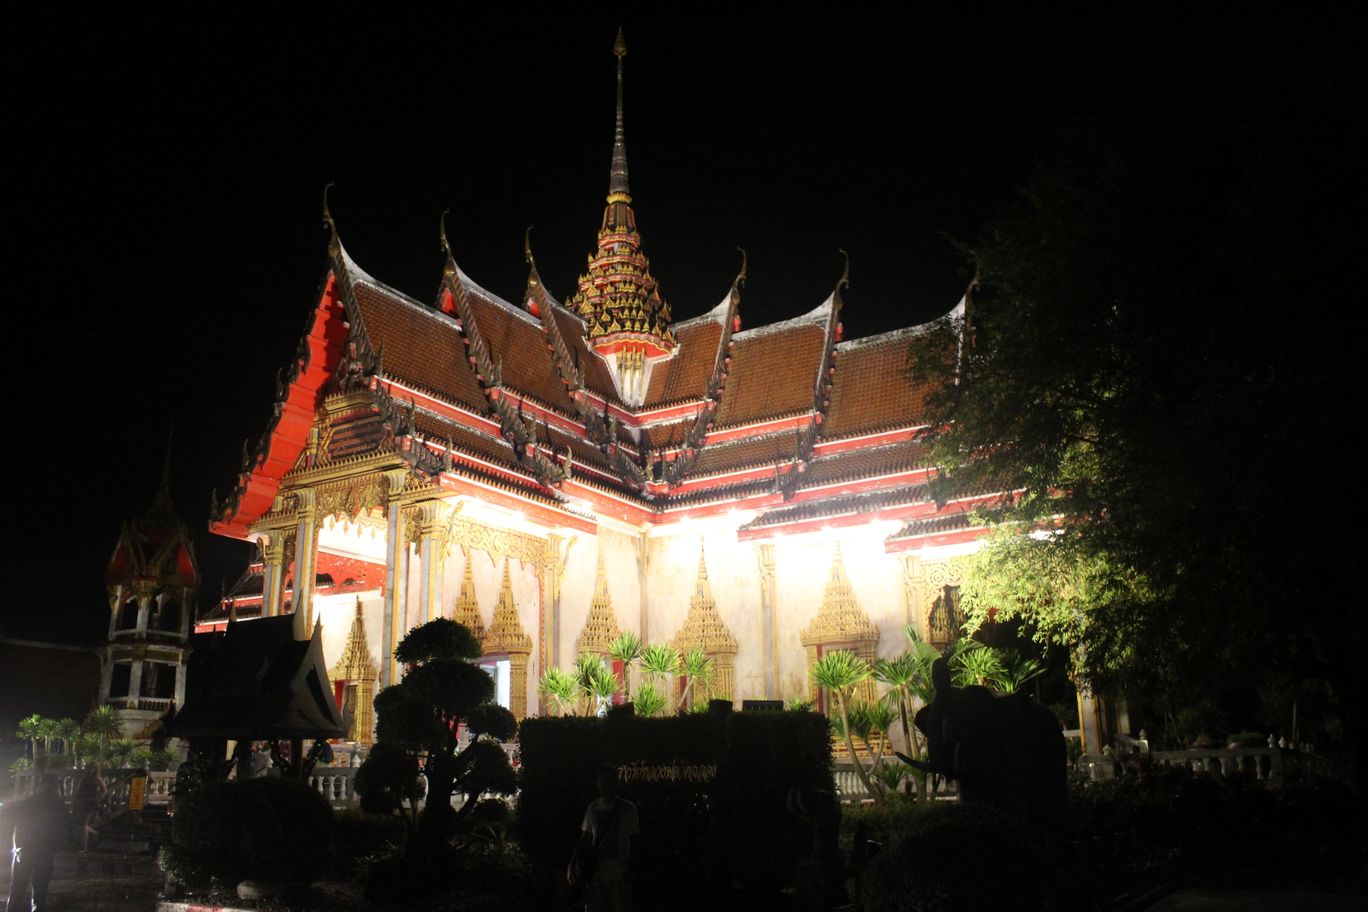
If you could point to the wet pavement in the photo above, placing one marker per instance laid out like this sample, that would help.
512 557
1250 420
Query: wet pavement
97 882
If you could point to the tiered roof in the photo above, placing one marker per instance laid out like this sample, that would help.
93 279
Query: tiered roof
526 404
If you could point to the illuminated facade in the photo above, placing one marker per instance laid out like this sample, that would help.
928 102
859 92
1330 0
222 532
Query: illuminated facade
552 474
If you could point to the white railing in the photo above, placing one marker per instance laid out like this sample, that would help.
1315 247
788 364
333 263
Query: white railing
851 790
335 784
1264 762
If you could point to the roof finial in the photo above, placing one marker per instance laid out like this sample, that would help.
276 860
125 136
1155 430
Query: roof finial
448 268
527 248
843 281
617 182
741 276
334 242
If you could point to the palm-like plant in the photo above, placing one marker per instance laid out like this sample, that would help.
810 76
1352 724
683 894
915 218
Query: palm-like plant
1018 670
562 687
908 677
659 661
698 667
586 666
626 649
603 686
120 752
67 730
86 748
977 664
649 700
47 731
103 724
839 673
31 730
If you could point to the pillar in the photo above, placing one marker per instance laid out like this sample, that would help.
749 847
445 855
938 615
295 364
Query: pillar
273 572
553 575
306 563
116 602
432 545
134 684
144 607
396 575
764 556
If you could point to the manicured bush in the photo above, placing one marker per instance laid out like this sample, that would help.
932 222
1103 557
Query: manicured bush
267 829
955 857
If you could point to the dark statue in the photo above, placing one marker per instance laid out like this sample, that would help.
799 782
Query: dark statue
1004 750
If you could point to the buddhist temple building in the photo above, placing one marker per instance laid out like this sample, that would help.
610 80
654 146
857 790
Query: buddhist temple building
552 472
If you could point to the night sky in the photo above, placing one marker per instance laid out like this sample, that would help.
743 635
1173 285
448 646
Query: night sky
163 194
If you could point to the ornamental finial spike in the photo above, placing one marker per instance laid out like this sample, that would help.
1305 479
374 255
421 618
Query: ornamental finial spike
844 281
741 276
441 233
527 248
617 175
334 243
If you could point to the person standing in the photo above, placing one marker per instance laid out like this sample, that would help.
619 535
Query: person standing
35 828
608 835
90 796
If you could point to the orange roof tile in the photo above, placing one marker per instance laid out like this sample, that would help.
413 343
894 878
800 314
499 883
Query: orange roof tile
418 346
773 373
872 389
686 375
519 345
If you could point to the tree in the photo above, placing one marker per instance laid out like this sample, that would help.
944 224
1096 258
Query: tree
418 722
698 667
66 731
1152 367
839 673
562 688
908 677
102 723
31 730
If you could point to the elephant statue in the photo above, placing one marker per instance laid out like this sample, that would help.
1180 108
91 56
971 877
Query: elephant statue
1003 750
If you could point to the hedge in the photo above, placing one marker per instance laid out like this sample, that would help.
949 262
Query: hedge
711 790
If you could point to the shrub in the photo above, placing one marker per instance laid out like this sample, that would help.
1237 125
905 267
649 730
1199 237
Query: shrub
951 857
269 829
358 835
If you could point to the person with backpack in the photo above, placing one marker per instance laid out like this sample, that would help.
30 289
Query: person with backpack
602 862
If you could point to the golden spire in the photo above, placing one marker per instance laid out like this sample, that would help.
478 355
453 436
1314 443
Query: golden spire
506 634
467 610
601 626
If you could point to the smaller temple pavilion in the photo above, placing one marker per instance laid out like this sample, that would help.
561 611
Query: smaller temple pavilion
553 472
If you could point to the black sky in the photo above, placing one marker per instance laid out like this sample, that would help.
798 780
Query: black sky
164 183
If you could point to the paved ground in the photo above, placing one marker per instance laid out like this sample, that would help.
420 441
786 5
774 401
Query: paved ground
1275 899
98 883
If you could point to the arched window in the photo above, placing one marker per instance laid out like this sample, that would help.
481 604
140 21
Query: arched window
128 614
169 615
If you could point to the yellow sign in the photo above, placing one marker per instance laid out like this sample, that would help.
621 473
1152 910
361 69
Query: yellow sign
137 793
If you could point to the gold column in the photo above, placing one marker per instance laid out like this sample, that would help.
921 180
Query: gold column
273 572
306 563
396 574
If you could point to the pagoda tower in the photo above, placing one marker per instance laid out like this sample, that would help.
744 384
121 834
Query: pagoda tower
627 321
152 581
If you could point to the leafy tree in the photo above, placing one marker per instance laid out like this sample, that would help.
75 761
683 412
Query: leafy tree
908 677
660 660
649 700
47 732
1152 365
417 726
977 664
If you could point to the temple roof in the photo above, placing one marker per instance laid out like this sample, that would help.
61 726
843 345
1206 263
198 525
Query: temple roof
256 682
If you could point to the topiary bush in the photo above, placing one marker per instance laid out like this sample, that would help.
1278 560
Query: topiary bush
955 858
267 829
